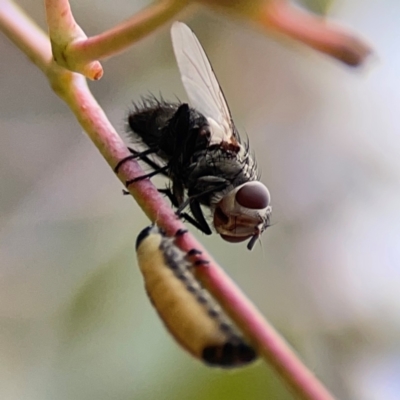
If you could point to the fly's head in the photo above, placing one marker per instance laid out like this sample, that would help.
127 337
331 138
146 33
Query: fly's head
243 213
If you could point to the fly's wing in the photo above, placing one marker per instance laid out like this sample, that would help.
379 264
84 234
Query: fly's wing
201 85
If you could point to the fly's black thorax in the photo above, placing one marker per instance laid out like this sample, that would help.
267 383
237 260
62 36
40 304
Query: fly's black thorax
218 170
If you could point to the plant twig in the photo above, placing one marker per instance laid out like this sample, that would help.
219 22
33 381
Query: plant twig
64 32
125 34
26 35
284 18
316 32
73 50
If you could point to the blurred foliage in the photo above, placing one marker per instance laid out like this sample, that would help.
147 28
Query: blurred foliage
255 383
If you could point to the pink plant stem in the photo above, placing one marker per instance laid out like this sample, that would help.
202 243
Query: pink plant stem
60 20
316 32
125 34
73 89
28 37
270 345
64 32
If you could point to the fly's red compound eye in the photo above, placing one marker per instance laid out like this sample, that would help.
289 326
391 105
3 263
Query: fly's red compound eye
253 195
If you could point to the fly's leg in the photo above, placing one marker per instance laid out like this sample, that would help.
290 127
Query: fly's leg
143 156
195 223
195 208
149 175
134 155
195 196
149 162
197 212
167 192
185 215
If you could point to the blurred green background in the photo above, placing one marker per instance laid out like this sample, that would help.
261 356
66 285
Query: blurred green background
75 322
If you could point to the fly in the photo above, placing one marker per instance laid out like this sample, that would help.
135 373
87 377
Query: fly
199 149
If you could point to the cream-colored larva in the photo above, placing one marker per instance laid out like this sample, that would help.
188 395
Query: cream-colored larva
188 311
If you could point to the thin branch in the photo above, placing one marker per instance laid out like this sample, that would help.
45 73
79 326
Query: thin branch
282 17
25 34
316 32
73 50
73 89
125 34
64 31
270 345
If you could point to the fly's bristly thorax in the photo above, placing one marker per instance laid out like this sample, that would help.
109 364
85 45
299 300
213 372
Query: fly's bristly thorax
243 213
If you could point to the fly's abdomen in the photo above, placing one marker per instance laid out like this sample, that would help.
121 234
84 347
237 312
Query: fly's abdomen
148 121
172 130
